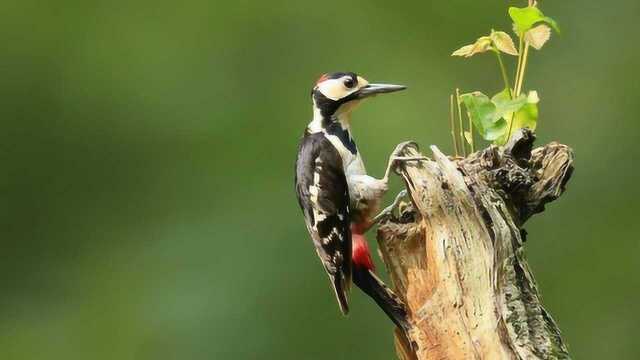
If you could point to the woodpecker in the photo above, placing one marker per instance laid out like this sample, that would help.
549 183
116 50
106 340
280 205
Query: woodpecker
337 197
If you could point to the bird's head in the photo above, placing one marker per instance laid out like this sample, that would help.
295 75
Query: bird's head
335 95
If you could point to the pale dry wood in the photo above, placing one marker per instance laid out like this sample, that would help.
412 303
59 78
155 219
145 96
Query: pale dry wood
455 255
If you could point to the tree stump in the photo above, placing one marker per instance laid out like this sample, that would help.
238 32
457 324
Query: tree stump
455 254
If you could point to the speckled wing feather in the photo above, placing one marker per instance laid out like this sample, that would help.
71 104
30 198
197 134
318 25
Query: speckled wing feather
323 195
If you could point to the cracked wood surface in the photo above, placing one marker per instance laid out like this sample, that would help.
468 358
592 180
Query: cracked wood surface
456 258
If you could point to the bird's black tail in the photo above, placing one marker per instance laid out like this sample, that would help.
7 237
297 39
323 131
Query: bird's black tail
386 299
341 287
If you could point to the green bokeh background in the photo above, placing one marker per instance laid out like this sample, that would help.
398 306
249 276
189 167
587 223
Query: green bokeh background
147 152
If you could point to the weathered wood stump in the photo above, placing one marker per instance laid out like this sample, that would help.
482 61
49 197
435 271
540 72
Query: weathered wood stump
455 254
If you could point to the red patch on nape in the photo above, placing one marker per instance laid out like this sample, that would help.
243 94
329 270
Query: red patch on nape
322 78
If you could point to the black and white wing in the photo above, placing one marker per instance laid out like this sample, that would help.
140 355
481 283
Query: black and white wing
323 195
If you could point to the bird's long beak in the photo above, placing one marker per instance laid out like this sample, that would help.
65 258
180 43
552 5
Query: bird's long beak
374 89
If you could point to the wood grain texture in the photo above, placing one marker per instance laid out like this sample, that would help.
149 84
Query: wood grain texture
455 255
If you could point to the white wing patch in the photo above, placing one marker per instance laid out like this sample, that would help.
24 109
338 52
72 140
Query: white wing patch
314 191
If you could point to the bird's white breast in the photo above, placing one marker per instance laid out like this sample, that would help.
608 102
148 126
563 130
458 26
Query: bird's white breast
352 163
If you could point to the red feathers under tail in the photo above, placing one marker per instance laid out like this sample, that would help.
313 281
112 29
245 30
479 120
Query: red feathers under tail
360 254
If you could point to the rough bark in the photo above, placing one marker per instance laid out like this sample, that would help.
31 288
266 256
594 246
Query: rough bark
455 255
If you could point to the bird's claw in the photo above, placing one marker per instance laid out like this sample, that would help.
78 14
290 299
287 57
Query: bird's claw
386 212
398 156
396 161
400 148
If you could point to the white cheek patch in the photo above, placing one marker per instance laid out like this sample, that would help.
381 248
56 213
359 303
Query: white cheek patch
333 89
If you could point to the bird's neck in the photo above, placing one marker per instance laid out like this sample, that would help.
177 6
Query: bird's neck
345 120
321 122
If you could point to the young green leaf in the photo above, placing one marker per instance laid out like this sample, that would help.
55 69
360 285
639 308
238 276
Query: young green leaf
469 137
525 117
481 45
498 129
482 113
538 36
504 103
503 42
525 18
463 51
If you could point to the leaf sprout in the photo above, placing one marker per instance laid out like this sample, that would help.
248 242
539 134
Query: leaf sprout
497 117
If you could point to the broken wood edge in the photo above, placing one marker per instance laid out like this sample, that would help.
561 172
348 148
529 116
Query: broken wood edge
460 266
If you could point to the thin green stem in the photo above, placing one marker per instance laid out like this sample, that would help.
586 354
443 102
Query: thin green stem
523 53
505 77
471 134
523 68
520 51
510 128
519 82
464 150
453 124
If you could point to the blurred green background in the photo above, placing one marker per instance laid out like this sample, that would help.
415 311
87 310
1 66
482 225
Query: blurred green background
147 152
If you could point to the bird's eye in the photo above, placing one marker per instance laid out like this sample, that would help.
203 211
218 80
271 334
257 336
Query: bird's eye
349 83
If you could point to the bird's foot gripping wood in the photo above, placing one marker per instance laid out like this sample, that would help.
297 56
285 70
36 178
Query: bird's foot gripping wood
388 211
398 156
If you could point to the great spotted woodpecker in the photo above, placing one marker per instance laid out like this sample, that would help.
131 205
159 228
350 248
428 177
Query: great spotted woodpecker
337 197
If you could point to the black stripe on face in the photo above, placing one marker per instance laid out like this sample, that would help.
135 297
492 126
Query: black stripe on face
327 106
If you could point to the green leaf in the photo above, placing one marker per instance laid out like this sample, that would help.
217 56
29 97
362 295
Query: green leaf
492 117
503 42
463 51
505 108
525 18
525 117
532 97
504 103
496 131
538 36
469 137
481 45
482 113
